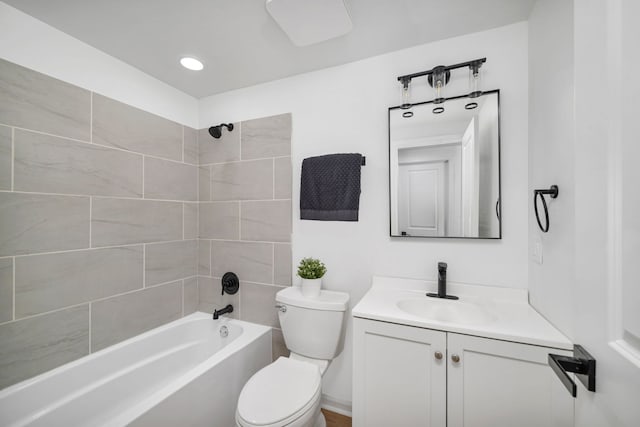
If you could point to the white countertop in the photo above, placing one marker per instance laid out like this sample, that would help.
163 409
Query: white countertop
512 318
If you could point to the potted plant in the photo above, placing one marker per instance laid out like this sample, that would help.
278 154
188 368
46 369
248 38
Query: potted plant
311 271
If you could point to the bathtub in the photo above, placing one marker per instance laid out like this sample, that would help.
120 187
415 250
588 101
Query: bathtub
185 373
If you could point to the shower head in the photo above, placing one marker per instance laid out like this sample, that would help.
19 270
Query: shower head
216 131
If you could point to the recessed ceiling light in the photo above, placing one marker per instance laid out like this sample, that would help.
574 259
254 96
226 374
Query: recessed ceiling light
191 63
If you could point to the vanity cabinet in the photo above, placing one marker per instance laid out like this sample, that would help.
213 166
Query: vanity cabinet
412 376
398 380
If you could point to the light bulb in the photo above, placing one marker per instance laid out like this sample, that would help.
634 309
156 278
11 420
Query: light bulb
438 79
191 63
475 80
406 94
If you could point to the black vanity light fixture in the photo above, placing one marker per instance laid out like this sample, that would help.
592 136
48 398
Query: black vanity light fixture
216 131
438 78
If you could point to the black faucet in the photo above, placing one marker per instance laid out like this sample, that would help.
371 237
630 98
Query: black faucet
227 309
442 283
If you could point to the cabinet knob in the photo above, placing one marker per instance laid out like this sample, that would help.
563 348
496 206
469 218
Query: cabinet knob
455 358
438 355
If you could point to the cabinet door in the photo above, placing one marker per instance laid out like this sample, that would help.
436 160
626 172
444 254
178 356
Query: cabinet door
504 384
397 379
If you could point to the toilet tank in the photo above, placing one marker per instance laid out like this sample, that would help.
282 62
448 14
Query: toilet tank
313 327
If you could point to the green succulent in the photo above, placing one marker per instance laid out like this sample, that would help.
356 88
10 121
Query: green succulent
311 268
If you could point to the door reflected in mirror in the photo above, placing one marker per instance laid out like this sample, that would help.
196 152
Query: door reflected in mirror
444 169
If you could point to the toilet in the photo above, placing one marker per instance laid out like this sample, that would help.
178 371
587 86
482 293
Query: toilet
287 392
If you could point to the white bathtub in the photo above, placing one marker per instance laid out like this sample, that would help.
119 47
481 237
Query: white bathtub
181 374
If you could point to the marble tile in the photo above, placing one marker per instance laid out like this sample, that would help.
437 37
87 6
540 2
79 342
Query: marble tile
252 180
219 220
32 346
257 302
190 296
32 100
31 223
251 261
5 158
266 137
170 180
165 262
282 268
120 125
204 257
6 289
204 183
124 221
268 221
225 149
190 221
47 164
282 178
51 281
118 318
210 297
190 145
278 346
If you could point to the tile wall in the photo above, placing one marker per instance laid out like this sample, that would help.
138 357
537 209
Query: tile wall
245 218
98 222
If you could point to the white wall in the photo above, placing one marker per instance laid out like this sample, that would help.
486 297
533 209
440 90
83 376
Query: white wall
607 207
31 43
583 136
344 109
551 157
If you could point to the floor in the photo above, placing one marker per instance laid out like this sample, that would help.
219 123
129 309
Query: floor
336 420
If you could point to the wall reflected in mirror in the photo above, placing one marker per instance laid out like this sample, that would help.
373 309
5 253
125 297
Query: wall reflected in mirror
444 169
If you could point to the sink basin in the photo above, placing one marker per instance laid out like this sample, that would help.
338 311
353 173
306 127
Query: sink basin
442 310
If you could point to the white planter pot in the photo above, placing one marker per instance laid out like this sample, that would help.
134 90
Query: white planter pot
311 287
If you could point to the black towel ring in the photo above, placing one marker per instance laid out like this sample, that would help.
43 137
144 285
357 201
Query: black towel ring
553 193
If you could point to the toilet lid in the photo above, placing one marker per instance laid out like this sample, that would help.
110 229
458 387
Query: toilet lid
278 391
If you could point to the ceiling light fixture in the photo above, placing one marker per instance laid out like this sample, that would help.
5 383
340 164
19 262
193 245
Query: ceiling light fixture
191 63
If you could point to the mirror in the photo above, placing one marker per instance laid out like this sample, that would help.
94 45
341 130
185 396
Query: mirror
444 169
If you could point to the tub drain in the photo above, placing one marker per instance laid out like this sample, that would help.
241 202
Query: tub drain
224 331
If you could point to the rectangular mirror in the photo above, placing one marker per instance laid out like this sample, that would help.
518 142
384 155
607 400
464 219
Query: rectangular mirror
444 168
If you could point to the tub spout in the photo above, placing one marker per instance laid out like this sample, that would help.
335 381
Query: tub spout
218 313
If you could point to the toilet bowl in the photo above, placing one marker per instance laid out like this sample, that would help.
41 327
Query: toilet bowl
288 391
285 393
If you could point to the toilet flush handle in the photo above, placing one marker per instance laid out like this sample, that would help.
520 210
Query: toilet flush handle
281 307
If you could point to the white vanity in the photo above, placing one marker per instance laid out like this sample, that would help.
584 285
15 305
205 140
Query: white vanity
477 361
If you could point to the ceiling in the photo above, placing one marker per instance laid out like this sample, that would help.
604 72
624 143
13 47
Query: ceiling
241 45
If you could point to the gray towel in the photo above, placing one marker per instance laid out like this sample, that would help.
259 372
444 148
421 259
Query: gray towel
330 187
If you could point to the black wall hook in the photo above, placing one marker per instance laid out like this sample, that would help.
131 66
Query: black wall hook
553 193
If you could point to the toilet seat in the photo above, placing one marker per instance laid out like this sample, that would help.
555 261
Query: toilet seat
279 394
